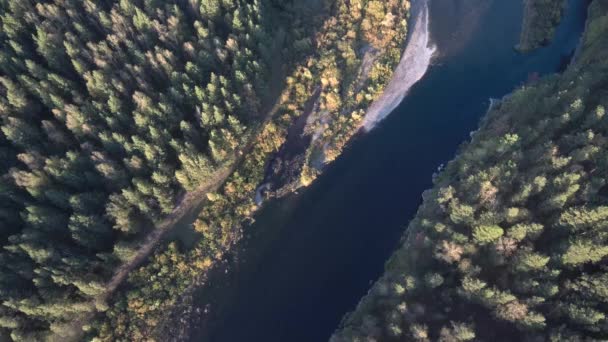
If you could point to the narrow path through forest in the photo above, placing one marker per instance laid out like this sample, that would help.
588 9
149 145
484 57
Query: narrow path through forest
194 199
189 202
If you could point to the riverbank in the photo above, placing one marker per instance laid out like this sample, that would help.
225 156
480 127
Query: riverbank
341 228
140 310
413 65
328 134
441 274
299 138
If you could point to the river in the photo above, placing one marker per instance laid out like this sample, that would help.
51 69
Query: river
310 257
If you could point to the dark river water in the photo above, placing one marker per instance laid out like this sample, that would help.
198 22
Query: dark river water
311 257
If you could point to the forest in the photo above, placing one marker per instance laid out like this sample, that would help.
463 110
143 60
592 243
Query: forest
511 243
110 112
540 22
113 112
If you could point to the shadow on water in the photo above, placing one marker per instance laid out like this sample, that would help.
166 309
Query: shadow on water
310 257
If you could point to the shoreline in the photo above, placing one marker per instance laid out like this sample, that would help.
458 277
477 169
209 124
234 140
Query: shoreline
417 50
413 234
390 98
183 318
415 62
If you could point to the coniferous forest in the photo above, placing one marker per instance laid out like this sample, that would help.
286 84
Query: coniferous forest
122 121
110 111
118 117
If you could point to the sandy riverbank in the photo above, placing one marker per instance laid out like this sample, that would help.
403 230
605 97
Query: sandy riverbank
414 64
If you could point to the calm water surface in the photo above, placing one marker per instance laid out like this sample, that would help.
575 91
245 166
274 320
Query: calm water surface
330 241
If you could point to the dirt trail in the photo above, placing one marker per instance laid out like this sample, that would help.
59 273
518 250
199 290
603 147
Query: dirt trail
190 202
